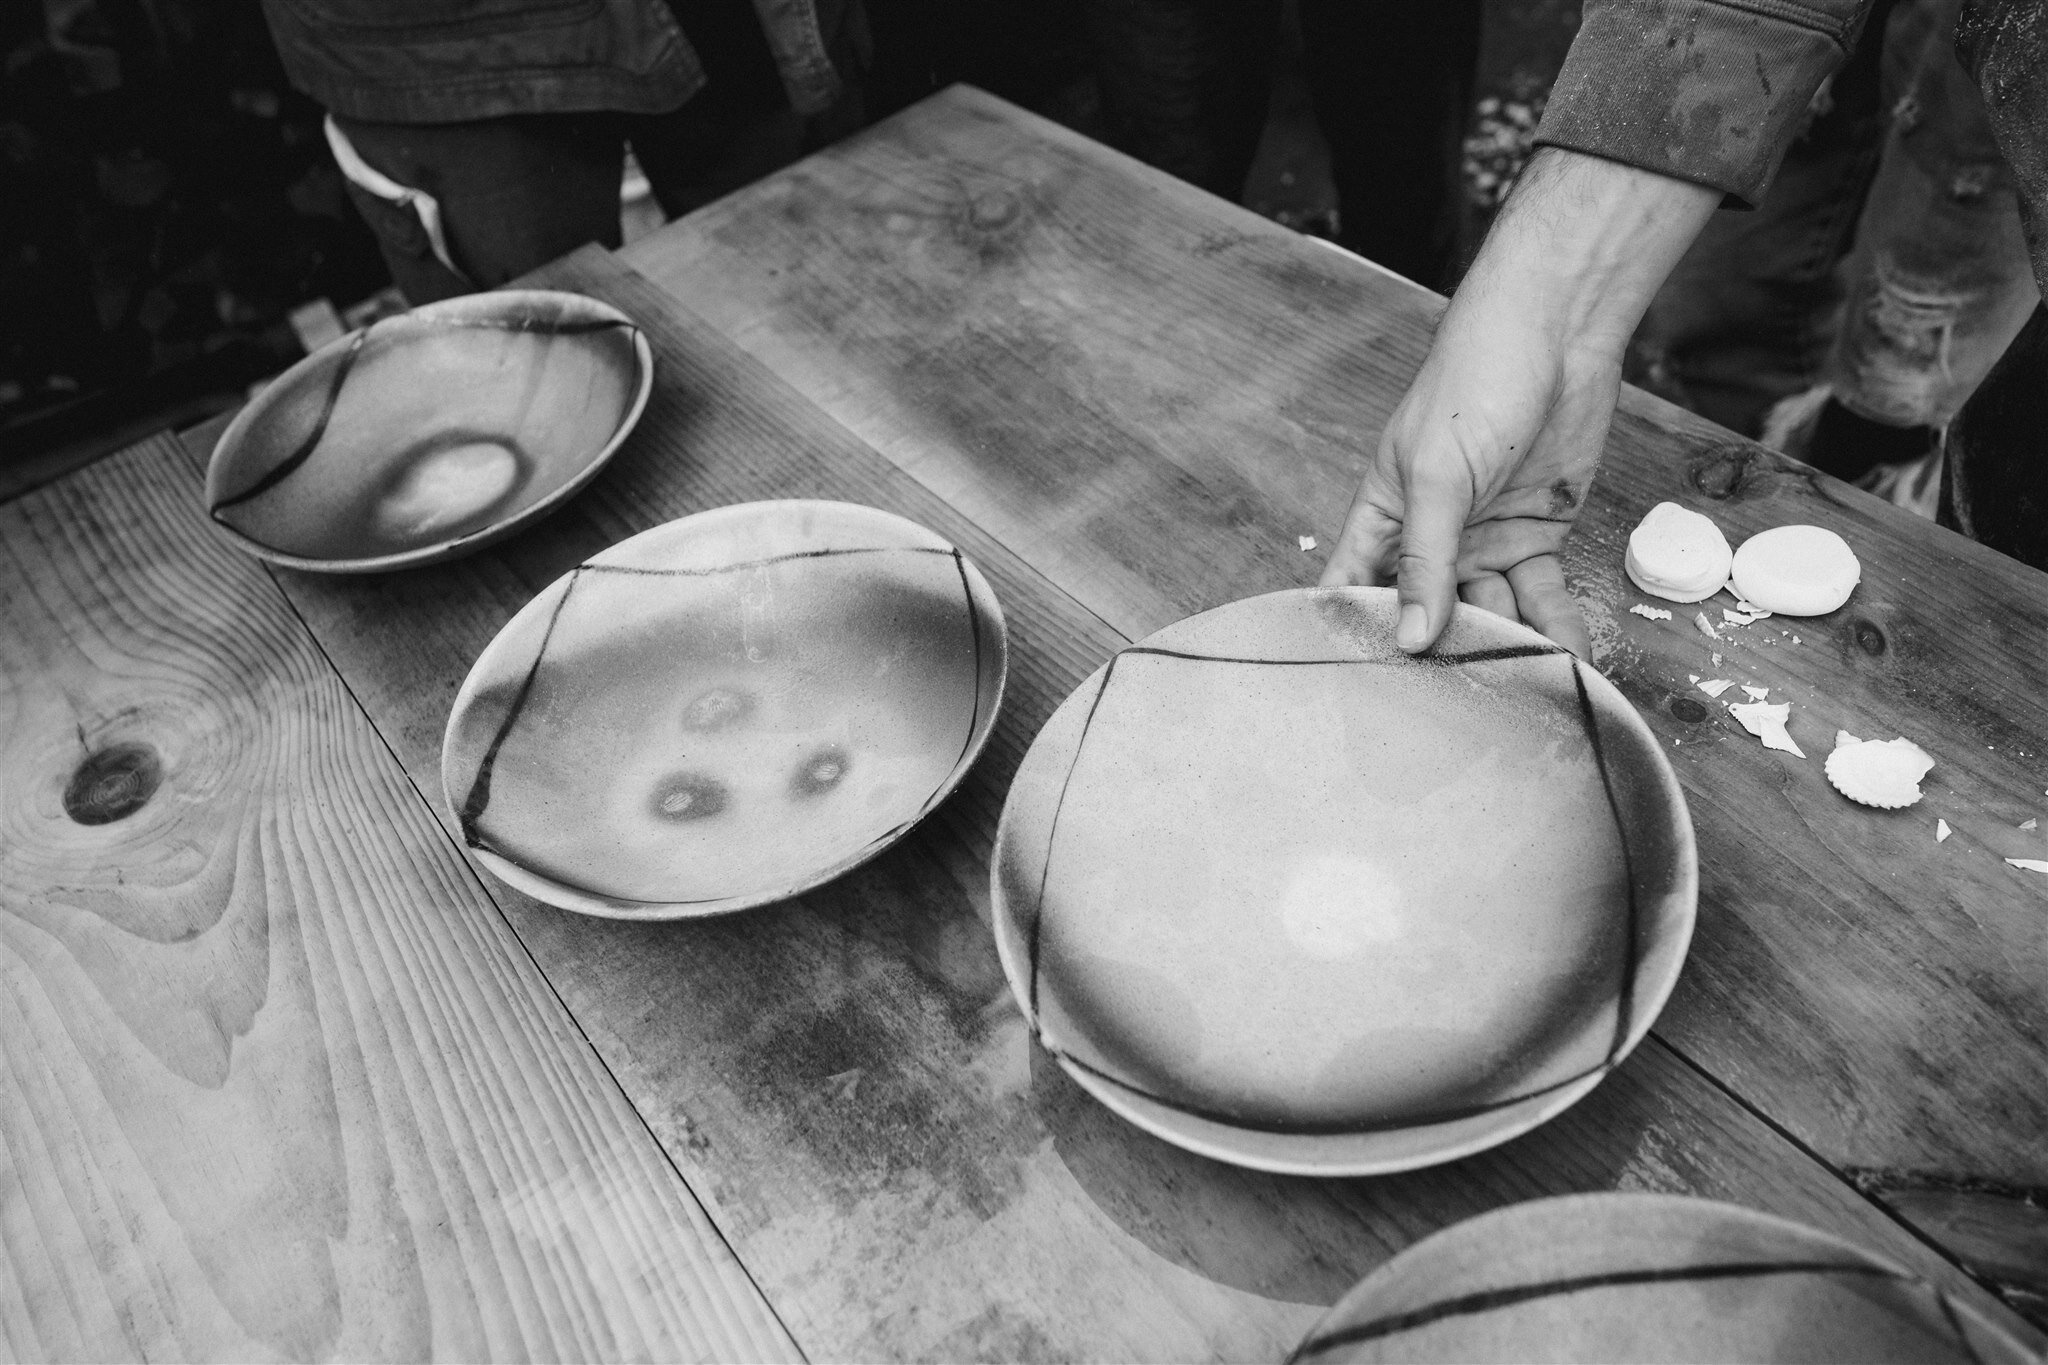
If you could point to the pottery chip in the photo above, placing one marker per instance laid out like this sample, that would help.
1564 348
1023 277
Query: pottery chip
1714 687
1755 693
1766 721
2030 864
1306 542
2031 823
1941 831
1881 773
1644 609
1706 626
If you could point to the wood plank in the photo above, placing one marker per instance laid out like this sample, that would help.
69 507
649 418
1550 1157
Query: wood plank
844 1075
276 1079
1149 393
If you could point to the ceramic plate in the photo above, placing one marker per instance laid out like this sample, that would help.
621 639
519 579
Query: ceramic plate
725 710
429 434
1647 1277
1279 894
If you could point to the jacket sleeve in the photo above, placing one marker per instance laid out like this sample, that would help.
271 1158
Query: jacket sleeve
1711 91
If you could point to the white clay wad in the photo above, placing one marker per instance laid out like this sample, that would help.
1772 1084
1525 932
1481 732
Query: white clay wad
1796 570
1882 773
1677 555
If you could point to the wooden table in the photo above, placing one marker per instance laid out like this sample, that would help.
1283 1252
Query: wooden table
280 1075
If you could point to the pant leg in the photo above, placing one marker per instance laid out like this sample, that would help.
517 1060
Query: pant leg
1392 89
1747 317
514 194
1939 280
1185 83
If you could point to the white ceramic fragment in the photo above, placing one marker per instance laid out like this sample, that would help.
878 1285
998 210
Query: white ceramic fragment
2031 823
1755 693
1643 609
1881 773
1306 542
1706 626
1766 721
1941 831
1714 687
2030 864
1796 570
1677 554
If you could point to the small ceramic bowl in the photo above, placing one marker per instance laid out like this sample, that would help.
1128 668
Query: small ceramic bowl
1280 894
725 710
427 435
1647 1277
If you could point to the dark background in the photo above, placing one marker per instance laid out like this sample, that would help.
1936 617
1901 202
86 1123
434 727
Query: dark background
166 199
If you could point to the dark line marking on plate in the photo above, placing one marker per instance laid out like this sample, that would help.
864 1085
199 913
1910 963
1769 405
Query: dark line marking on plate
480 787
642 572
1624 999
289 465
1035 936
1487 1301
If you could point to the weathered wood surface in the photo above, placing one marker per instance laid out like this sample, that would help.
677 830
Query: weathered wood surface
845 1078
1148 394
276 1079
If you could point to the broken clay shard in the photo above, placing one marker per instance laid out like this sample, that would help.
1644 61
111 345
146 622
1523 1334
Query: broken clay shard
1643 609
1677 554
1941 831
1796 570
1766 720
1881 773
2030 864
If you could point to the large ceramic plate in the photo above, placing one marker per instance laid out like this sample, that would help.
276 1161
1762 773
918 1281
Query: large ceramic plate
427 435
1647 1277
725 710
1278 893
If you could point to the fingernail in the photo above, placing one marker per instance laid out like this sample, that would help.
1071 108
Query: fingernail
1413 629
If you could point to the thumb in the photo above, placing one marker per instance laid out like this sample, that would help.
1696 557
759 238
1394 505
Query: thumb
1431 528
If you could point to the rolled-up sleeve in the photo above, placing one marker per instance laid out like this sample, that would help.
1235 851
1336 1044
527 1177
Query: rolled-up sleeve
1711 91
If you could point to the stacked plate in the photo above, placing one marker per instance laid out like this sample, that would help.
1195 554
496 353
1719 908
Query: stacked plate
1278 893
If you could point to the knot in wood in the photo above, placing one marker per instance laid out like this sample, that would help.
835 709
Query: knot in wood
1721 471
992 210
1869 638
113 784
1688 710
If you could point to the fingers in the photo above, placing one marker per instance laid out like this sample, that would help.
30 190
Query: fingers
1363 547
1428 564
1546 603
1490 592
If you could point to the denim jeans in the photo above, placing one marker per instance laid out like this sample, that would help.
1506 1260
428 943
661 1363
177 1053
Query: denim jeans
1887 260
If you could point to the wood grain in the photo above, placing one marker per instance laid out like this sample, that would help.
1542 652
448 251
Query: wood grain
845 1077
1149 393
276 1079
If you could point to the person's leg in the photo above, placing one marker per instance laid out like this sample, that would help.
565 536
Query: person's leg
1392 88
1939 280
1185 83
514 193
1747 318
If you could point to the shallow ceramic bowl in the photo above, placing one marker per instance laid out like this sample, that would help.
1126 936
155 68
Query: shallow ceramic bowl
1647 1277
725 710
1279 894
427 435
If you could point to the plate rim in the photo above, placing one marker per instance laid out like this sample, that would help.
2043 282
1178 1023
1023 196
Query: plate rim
1705 1212
604 907
1310 1154
439 551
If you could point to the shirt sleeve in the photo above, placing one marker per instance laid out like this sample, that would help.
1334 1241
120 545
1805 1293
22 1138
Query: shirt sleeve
1711 91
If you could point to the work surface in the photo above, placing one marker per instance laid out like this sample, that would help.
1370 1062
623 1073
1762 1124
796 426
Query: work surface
284 1077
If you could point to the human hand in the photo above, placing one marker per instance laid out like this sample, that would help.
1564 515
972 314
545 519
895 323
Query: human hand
1475 481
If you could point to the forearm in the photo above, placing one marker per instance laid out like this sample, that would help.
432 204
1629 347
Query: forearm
1581 248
